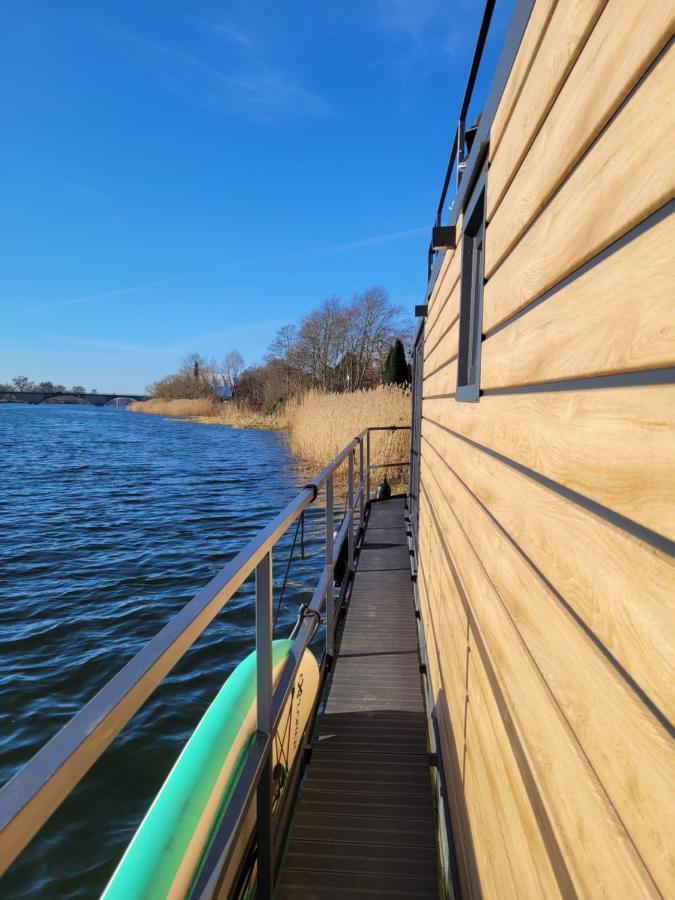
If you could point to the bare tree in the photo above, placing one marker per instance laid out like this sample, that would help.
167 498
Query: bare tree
336 347
284 345
251 386
374 324
197 365
283 359
323 342
233 366
190 382
339 347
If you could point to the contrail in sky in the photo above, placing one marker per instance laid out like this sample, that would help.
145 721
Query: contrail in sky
93 298
372 241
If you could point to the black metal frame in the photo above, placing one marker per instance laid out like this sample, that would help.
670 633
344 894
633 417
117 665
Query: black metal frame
446 841
475 154
471 296
459 142
416 433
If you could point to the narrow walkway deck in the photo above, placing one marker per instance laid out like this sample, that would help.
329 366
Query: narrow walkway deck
365 823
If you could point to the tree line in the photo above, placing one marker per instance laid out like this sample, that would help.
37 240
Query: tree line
340 346
201 377
22 383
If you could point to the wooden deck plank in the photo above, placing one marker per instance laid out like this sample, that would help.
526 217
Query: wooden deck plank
364 824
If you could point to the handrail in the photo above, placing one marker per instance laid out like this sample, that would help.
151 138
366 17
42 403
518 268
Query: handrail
457 149
29 798
225 839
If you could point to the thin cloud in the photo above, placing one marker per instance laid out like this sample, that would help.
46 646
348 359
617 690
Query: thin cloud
430 36
236 331
358 244
267 94
92 298
380 239
160 48
412 19
116 345
226 29
84 190
251 88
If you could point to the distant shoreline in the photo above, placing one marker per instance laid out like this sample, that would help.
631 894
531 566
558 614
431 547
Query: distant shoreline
56 401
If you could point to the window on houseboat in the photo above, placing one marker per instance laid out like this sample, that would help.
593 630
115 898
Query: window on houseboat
471 298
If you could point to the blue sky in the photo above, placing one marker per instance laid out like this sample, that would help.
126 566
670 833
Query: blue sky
190 176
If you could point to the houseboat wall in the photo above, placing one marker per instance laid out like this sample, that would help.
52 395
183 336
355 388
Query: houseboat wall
545 523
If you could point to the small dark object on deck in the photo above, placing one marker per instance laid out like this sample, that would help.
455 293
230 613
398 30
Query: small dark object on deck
340 569
383 490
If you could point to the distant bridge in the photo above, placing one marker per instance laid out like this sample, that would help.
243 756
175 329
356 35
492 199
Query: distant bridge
35 397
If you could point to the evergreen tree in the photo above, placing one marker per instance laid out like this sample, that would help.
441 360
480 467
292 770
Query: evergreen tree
396 369
388 374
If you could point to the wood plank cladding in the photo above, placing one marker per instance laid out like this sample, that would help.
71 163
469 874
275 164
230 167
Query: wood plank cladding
595 326
520 70
443 321
631 618
546 539
570 25
447 278
578 115
569 437
566 719
611 190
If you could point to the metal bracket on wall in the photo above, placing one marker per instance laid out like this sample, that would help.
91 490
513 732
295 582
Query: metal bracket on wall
443 237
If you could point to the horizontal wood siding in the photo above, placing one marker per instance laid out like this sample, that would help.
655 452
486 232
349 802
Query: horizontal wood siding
546 569
612 446
565 35
589 97
627 175
594 325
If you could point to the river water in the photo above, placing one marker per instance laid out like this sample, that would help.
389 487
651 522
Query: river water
110 521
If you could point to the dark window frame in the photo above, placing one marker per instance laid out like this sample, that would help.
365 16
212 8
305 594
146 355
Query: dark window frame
471 295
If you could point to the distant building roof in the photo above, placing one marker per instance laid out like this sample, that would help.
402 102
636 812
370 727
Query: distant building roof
220 383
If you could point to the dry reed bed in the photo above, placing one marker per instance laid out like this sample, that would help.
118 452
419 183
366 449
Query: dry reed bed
211 412
318 424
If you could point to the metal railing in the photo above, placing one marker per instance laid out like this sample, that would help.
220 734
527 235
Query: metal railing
460 146
38 789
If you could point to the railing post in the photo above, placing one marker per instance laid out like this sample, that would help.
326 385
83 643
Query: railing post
459 137
368 466
362 487
263 644
350 512
330 574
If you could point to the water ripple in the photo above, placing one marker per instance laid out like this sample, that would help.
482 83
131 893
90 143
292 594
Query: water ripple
111 521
